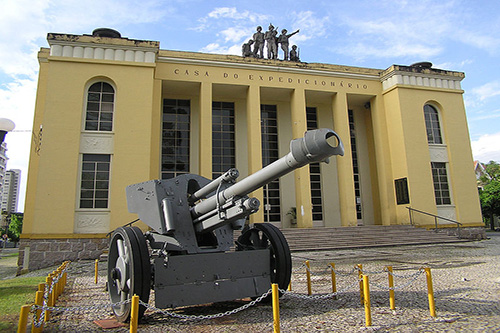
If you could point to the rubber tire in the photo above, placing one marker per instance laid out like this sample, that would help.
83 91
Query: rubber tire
281 259
138 267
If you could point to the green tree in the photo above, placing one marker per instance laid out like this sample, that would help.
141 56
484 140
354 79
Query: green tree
15 226
489 193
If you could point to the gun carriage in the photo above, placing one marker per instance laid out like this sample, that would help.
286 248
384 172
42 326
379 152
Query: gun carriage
189 256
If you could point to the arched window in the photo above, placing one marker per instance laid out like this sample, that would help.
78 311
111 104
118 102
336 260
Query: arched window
432 125
100 105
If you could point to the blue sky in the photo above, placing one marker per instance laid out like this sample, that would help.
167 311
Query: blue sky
454 35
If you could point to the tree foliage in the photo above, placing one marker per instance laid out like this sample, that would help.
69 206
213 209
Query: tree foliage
15 226
489 193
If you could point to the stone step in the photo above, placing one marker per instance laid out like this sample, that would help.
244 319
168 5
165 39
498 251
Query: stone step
362 237
325 238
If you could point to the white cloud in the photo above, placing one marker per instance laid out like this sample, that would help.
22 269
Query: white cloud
221 49
233 14
486 91
235 34
311 26
242 26
17 102
487 148
24 25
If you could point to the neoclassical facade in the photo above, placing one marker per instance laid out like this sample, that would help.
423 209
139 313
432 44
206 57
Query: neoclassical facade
117 111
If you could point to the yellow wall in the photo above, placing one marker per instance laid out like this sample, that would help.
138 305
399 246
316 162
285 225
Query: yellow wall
391 134
56 179
410 150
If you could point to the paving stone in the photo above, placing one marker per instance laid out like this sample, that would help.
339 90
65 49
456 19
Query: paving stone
465 280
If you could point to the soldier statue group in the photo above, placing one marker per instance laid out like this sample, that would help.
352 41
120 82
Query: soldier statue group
271 39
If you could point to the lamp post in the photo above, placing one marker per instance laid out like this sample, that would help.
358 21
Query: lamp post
6 125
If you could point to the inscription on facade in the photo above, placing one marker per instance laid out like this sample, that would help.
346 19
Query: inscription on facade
273 78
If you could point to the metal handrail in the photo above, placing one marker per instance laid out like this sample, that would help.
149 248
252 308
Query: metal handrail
436 217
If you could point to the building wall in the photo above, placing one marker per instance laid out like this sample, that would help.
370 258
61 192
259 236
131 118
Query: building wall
10 191
389 132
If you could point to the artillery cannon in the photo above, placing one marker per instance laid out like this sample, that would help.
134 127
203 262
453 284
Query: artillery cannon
187 257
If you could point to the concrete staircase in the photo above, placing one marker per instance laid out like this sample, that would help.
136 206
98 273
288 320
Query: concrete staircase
362 236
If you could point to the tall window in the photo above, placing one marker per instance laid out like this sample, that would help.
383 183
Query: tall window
175 138
355 167
315 171
100 105
432 125
223 150
269 127
441 187
94 190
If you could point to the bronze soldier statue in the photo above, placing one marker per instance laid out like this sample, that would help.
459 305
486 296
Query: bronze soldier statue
283 40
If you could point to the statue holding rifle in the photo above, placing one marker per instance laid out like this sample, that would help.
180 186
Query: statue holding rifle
271 42
283 40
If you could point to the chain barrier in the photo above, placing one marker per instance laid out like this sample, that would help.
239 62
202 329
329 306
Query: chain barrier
413 278
326 270
38 320
319 297
365 272
318 273
203 317
295 270
406 276
48 290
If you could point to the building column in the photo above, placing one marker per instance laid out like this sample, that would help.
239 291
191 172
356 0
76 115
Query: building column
205 130
383 160
302 177
254 138
347 196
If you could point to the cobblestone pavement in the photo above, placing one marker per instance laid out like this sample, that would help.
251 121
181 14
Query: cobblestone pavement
466 279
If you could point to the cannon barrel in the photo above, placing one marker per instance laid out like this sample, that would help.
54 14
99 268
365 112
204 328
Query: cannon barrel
316 146
229 175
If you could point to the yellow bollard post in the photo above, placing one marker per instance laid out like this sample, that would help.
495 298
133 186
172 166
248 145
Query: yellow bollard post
64 278
23 318
430 292
391 288
58 285
366 291
134 314
41 287
38 301
308 275
334 280
96 270
276 308
48 282
360 277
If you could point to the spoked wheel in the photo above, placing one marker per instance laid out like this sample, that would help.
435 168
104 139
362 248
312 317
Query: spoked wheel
129 270
267 236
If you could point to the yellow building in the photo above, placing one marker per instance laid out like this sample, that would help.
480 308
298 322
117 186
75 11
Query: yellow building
112 111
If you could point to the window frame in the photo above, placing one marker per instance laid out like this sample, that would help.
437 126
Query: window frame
438 184
81 179
431 131
179 154
100 104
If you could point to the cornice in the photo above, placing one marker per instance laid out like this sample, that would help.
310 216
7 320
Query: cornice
417 77
293 68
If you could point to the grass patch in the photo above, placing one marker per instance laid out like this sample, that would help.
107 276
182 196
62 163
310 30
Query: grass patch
9 255
15 293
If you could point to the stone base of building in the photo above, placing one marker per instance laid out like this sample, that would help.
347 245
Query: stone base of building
41 253
472 233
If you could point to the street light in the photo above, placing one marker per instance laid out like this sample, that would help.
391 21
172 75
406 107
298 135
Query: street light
6 125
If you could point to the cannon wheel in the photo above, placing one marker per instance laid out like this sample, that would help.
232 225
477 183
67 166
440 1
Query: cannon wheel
267 236
129 270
